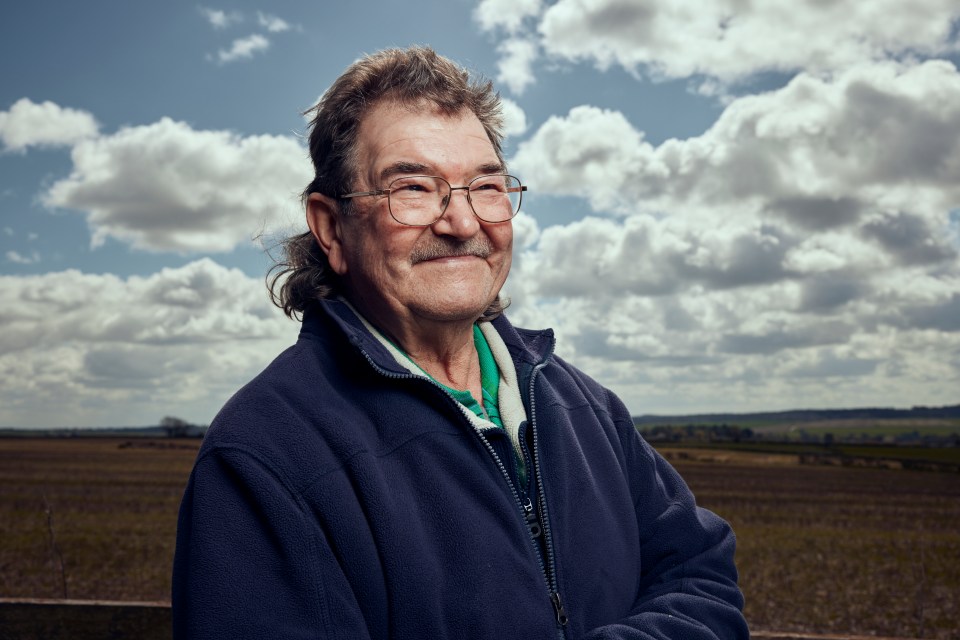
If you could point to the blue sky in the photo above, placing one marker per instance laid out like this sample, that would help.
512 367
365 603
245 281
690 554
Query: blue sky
730 208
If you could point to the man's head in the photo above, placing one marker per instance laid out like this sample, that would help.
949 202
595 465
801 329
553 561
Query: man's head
387 85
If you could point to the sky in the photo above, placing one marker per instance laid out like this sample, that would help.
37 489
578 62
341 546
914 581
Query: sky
732 206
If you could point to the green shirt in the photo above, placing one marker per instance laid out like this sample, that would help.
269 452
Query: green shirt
489 383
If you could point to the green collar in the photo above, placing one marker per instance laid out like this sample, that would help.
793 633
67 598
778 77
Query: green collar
489 381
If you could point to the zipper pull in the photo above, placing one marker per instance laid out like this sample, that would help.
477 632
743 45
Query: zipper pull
558 607
532 523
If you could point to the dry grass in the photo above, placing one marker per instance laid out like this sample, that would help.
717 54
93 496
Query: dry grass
113 511
839 550
821 549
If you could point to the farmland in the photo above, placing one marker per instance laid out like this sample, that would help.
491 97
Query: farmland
823 549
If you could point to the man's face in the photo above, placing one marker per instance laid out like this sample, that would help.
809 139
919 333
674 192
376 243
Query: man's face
394 271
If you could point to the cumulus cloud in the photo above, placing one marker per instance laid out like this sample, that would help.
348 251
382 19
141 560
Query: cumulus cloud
27 124
515 66
778 344
272 23
243 48
17 258
729 40
505 14
517 53
514 119
117 351
220 19
591 153
806 237
168 187
874 147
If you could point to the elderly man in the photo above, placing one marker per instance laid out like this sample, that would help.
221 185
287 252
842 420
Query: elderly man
415 466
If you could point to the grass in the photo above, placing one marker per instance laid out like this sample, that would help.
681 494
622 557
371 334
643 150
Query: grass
820 549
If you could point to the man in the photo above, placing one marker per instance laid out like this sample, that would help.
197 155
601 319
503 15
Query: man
415 466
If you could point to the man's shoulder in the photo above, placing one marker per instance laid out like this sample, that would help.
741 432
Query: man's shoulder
567 380
281 396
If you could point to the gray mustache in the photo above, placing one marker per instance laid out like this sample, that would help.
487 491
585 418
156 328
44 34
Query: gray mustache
478 245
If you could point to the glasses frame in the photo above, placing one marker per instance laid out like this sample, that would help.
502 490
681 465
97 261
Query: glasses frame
520 188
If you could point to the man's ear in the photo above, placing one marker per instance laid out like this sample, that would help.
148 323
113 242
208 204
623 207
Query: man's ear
323 218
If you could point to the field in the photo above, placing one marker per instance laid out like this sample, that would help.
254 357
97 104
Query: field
836 549
107 508
821 549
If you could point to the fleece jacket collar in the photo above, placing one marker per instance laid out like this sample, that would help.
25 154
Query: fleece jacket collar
527 348
509 350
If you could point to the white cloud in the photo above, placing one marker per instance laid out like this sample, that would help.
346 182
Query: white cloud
514 119
800 248
28 124
731 40
243 48
592 153
18 258
505 14
515 67
168 187
128 351
220 19
875 148
830 186
271 23
701 347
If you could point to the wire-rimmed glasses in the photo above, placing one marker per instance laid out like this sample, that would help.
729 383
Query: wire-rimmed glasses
419 201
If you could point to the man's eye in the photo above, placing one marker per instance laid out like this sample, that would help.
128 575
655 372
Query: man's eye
488 186
413 186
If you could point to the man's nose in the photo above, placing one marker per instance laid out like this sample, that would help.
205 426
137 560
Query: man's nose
458 220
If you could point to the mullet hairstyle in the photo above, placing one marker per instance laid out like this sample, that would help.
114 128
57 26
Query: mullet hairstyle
408 77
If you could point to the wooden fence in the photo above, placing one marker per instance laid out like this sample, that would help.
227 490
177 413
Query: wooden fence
31 619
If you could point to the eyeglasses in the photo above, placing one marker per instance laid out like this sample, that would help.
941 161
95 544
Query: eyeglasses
419 201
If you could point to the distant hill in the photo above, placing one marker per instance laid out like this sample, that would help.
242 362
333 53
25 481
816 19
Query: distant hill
800 416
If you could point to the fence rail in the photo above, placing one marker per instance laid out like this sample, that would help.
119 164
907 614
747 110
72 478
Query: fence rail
33 619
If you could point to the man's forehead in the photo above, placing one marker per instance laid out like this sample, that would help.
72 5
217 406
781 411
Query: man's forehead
402 138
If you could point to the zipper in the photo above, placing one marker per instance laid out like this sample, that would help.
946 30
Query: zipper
533 522
539 524
551 568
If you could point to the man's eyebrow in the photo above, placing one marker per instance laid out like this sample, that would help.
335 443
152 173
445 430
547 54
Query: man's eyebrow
402 166
407 167
491 167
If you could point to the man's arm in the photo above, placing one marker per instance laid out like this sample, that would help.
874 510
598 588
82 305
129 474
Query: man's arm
689 582
251 562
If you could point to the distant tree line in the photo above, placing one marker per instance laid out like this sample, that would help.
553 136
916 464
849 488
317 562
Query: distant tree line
697 432
179 428
799 416
667 433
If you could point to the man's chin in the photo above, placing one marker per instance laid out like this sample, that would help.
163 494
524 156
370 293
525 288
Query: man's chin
454 309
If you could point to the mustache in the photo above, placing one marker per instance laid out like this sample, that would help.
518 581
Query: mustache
444 247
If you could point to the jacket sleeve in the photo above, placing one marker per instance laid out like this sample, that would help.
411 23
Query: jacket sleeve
251 562
688 586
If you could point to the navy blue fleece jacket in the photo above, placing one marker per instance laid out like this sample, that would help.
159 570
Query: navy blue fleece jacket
339 496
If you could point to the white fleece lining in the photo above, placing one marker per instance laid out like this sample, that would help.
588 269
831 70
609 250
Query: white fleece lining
512 413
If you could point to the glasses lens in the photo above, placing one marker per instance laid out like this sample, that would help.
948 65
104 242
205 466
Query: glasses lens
418 200
495 198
